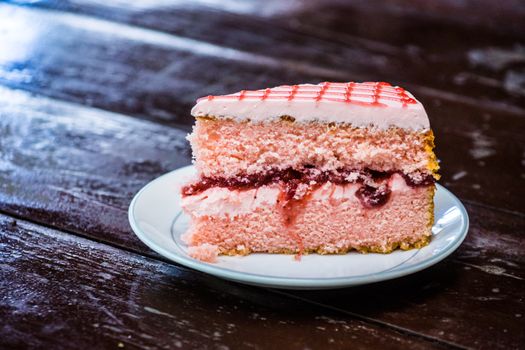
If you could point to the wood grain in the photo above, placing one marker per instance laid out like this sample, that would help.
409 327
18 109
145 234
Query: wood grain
95 161
70 159
474 299
59 291
158 76
467 57
78 168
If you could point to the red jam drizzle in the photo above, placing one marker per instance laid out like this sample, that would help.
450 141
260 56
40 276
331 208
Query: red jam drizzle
291 179
293 92
367 94
348 92
404 97
324 87
266 94
371 197
293 202
290 210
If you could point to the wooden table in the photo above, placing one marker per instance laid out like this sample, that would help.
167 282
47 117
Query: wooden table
94 103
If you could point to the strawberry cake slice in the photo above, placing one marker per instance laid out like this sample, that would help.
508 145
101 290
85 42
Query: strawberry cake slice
325 168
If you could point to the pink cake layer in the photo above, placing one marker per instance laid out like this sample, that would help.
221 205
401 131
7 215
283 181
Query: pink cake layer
330 220
225 148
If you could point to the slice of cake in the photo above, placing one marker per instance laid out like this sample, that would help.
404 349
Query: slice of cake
323 168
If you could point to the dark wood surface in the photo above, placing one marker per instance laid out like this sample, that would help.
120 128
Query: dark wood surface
62 291
94 103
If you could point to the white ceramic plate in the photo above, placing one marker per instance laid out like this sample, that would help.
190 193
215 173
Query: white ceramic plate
156 218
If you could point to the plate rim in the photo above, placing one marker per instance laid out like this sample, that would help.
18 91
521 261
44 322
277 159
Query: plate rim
285 282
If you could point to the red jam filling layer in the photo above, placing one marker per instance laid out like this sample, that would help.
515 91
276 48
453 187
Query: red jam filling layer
296 184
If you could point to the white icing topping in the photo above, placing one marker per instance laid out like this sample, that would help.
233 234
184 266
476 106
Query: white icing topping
360 104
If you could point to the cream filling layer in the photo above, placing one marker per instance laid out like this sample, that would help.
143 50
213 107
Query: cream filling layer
218 201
